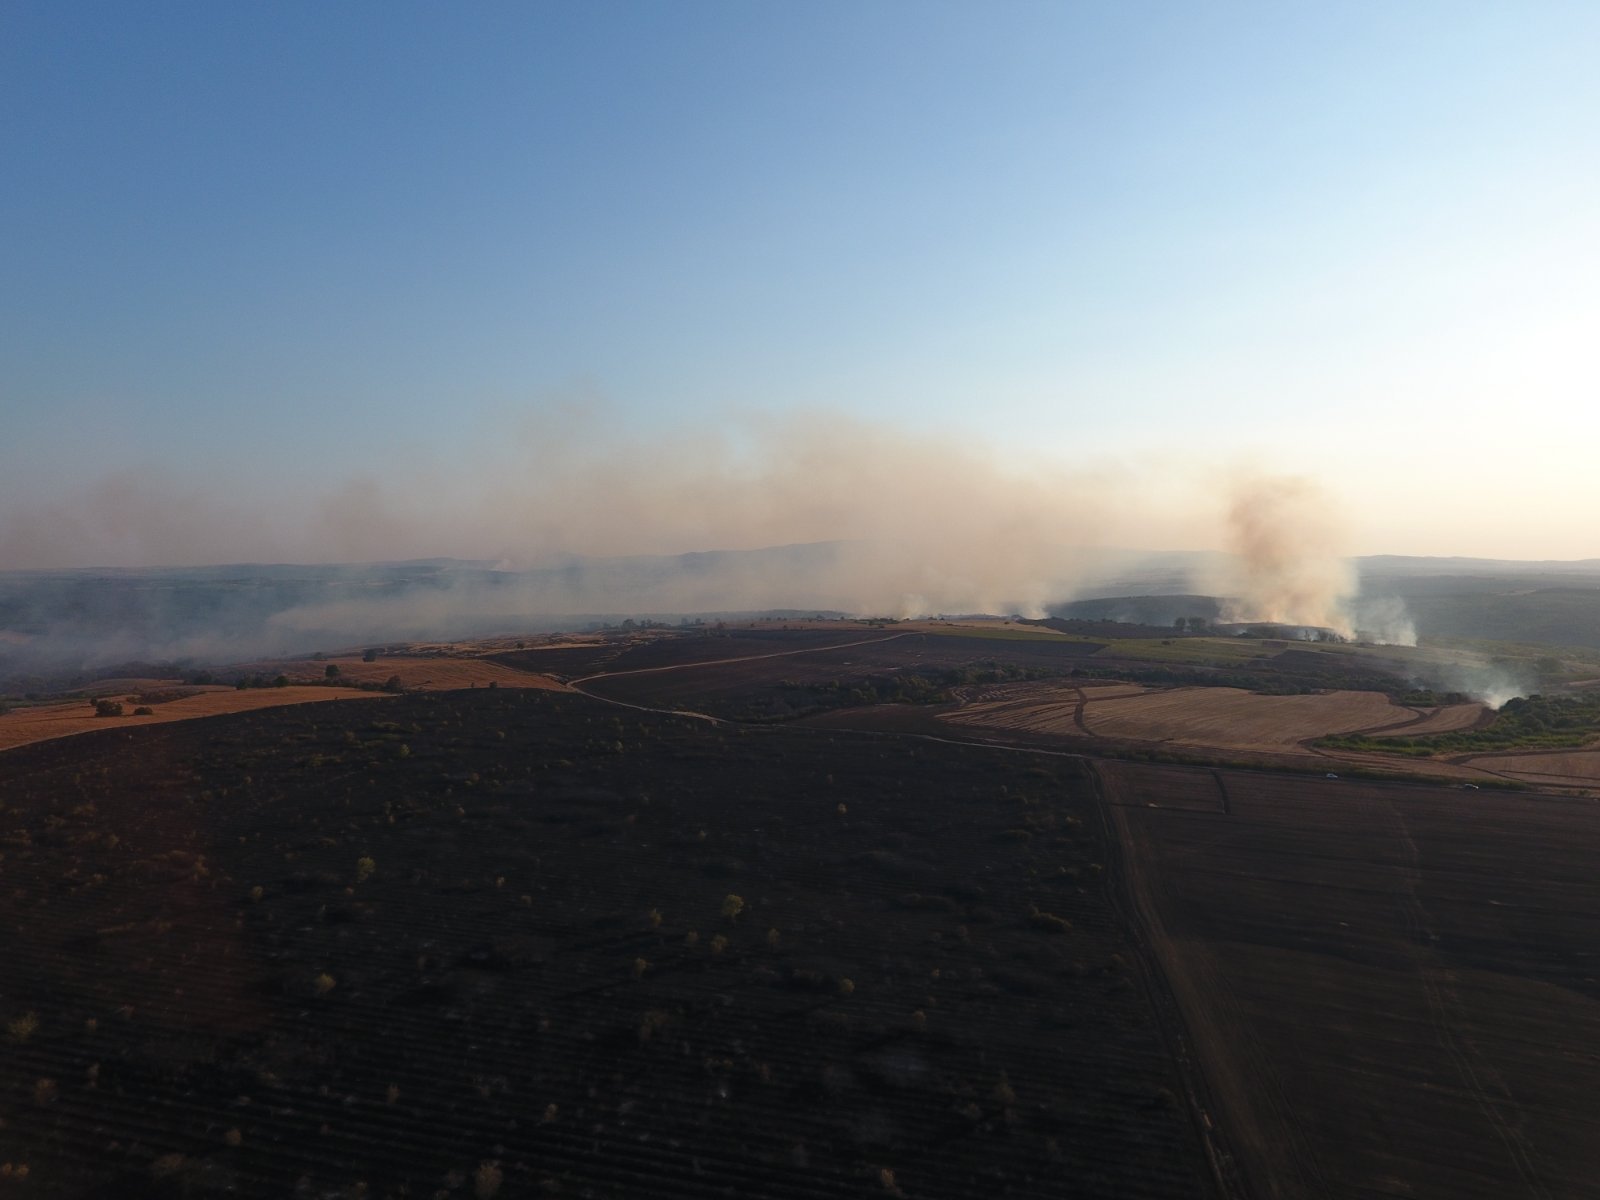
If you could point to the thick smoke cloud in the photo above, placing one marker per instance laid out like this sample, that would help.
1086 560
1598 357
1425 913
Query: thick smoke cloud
943 524
1286 557
816 513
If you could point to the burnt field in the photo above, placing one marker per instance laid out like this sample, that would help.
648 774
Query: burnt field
773 675
523 942
1392 990
661 650
513 941
786 678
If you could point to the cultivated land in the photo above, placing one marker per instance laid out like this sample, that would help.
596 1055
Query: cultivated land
493 938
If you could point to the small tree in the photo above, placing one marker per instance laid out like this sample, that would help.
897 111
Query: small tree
331 671
108 708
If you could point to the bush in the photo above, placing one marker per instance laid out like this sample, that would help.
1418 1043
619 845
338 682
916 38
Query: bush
108 708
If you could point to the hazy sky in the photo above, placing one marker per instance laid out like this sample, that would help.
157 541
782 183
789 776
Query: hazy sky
358 280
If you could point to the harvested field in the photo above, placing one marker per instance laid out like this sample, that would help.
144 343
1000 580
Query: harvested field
27 725
1231 719
1391 989
1570 768
1447 719
1037 707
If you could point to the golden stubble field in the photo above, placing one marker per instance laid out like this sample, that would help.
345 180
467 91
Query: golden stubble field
416 673
24 726
1563 768
1221 718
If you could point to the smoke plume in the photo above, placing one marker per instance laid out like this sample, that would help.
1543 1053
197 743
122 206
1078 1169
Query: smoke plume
1285 560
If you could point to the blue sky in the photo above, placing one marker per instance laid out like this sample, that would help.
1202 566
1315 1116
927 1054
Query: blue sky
250 245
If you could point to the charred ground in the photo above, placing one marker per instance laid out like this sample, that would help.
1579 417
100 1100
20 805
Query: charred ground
545 941
383 943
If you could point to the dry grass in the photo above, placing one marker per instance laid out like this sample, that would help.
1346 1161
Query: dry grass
23 726
1233 719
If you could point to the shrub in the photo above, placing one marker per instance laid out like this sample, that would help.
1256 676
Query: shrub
144 711
324 984
1049 922
24 1027
364 869
732 906
486 1181
108 708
